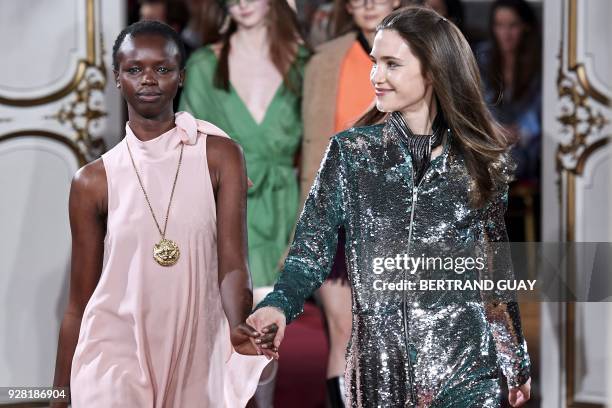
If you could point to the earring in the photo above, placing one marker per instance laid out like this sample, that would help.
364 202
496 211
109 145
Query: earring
118 85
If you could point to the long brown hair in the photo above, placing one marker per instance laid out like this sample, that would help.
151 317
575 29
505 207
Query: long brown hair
450 64
528 61
342 22
283 31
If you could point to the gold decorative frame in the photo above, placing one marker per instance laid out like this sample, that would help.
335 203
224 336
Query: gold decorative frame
90 77
83 64
81 107
578 90
572 57
49 135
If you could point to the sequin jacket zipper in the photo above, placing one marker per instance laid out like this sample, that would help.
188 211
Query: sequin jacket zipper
415 192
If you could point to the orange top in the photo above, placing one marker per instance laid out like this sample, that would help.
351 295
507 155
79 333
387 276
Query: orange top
355 92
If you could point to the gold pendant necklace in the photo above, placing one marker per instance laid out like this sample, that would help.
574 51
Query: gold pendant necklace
166 252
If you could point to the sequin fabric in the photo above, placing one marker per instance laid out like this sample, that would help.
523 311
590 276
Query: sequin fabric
416 349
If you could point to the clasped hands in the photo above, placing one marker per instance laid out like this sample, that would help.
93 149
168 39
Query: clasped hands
261 333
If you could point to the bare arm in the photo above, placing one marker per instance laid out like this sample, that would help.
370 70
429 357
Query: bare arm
87 208
228 174
229 179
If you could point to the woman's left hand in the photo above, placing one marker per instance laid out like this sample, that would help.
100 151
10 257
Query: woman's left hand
518 396
246 340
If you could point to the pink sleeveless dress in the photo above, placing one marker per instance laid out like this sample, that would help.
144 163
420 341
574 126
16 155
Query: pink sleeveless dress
154 336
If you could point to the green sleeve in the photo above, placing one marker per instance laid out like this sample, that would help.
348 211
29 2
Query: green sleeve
502 310
316 236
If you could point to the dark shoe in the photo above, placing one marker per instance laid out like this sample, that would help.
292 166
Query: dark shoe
335 392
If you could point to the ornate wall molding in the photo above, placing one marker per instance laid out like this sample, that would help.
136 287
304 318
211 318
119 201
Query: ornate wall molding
583 121
81 100
52 136
572 57
79 74
579 119
83 110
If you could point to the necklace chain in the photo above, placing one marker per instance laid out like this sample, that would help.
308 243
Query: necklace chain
161 232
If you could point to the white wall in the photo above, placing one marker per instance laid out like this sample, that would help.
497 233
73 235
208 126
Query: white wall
590 199
550 341
44 137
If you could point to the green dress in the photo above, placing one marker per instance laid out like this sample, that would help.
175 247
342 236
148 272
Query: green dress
269 149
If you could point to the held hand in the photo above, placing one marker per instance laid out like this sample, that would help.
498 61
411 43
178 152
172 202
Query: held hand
243 339
269 321
520 395
249 341
265 342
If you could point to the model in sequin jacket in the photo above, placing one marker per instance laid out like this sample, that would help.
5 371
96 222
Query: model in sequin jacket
418 349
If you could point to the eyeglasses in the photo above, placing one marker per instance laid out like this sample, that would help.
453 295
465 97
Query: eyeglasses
362 3
232 3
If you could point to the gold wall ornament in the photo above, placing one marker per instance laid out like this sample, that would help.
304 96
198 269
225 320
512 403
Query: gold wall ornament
70 144
578 119
84 93
79 72
583 123
572 57
59 94
84 109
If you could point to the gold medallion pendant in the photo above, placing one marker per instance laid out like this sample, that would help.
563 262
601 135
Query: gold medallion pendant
166 252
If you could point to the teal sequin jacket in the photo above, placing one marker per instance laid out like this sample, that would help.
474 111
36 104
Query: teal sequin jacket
408 348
